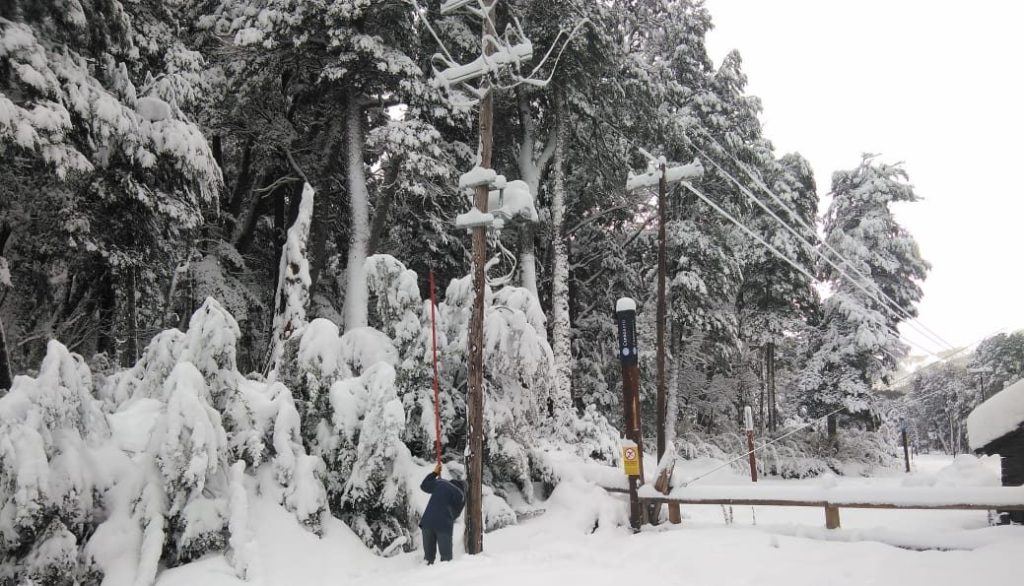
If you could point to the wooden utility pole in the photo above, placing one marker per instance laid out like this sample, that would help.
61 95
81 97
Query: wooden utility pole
662 175
662 316
625 317
474 536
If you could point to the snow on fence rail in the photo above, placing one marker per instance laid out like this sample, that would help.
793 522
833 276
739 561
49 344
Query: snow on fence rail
832 499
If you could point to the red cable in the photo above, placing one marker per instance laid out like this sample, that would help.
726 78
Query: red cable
437 389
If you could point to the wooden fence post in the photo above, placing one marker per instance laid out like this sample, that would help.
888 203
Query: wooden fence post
831 517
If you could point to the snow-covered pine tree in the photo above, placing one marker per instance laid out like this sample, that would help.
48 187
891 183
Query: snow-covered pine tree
375 501
941 397
191 452
396 308
260 420
52 433
109 169
146 379
857 345
998 361
353 420
517 381
776 301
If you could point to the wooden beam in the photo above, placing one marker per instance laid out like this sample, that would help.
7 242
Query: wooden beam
840 504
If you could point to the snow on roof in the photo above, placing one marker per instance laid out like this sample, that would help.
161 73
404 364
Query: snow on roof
625 304
1000 415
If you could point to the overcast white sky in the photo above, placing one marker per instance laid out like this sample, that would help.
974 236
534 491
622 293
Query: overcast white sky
934 83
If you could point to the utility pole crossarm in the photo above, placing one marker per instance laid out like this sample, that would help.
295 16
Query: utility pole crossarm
674 174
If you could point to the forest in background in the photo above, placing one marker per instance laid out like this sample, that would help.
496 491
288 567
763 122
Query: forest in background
154 222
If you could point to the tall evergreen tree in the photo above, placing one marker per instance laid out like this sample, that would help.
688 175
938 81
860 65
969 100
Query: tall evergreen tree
776 300
857 345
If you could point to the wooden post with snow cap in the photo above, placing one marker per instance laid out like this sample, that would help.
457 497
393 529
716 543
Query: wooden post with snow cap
632 452
748 424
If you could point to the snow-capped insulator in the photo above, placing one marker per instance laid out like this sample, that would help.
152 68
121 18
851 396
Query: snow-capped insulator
473 218
455 74
674 174
476 177
513 201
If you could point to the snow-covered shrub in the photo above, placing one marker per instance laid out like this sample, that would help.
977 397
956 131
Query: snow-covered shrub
146 378
518 366
398 311
53 558
51 429
192 454
277 434
595 437
374 502
353 420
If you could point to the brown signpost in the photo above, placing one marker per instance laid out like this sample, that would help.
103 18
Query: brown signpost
625 316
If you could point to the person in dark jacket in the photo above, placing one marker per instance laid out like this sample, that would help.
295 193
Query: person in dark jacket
447 497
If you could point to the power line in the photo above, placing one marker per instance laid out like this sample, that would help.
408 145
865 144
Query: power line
750 232
811 247
791 262
928 332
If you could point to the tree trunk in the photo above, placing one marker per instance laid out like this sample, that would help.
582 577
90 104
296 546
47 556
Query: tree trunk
384 203
245 228
356 293
661 316
318 241
6 378
105 340
530 170
280 225
131 355
528 259
560 327
763 371
243 185
773 421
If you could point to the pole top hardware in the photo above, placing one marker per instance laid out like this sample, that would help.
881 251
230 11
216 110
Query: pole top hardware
673 174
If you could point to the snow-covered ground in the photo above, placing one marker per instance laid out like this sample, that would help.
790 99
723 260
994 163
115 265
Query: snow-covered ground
769 545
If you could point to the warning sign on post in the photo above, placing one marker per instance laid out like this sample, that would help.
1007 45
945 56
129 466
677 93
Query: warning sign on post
630 458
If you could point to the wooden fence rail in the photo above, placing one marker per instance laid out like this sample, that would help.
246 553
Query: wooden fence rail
833 499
